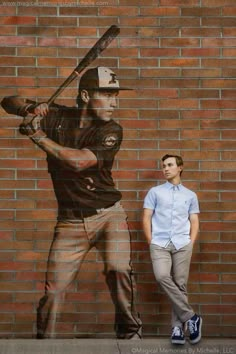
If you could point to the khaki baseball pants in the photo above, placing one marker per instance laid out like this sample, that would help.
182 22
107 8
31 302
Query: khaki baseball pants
108 232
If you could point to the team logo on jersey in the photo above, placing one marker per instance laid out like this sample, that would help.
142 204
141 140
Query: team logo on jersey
90 186
110 141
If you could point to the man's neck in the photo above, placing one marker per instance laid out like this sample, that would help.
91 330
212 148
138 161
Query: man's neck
85 120
175 181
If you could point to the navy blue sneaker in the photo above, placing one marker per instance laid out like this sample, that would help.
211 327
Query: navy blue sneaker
195 327
177 336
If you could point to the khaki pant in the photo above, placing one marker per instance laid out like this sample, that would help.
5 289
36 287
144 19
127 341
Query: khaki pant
108 232
171 269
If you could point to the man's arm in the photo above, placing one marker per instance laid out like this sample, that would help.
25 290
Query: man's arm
194 227
147 224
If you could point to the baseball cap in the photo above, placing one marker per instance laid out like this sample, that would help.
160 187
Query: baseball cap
100 78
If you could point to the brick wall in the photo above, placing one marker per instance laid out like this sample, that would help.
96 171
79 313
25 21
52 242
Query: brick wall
180 57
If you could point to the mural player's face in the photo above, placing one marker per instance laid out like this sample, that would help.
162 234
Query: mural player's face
102 104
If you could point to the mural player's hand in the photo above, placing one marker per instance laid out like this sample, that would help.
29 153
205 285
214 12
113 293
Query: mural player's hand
31 123
40 109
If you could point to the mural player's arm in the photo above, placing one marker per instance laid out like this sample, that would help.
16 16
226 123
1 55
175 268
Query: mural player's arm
71 158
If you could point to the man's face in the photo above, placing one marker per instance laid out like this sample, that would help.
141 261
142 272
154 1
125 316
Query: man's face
170 168
102 104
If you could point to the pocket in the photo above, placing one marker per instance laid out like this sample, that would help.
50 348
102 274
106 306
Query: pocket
154 250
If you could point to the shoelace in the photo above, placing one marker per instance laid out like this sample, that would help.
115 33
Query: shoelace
176 331
192 325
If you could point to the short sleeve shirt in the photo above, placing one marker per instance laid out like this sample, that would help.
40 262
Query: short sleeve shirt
172 206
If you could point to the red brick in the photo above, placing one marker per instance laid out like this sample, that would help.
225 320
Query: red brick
30 30
201 114
221 206
8 30
178 124
179 62
180 42
118 11
17 41
218 124
179 22
78 10
229 11
218 62
185 83
77 32
160 11
229 278
200 11
178 103
228 114
35 51
15 286
218 3
18 20
228 195
14 61
8 10
159 73
57 42
222 83
31 256
231 175
217 145
57 21
209 195
201 72
219 165
229 52
218 21
30 276
229 319
37 72
7 71
179 3
199 93
37 10
201 52
228 94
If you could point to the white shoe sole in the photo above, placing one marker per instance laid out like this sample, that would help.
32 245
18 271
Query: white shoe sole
176 341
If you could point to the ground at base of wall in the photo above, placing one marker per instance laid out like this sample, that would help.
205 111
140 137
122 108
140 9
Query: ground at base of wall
113 346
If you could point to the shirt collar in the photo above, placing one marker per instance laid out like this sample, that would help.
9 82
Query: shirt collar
170 185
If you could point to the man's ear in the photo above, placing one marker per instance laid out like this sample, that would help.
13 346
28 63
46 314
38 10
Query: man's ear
84 96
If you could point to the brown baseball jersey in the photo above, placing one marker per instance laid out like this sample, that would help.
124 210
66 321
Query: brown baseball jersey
80 192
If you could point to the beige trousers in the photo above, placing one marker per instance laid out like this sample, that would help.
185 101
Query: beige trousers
108 232
171 270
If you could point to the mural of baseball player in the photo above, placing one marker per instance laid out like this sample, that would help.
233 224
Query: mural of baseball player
81 143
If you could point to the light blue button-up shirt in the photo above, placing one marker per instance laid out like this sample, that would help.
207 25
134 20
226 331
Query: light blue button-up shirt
171 207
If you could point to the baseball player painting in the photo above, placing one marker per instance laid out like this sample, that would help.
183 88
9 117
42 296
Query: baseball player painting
80 144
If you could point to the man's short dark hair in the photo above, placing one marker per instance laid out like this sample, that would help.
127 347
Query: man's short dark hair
178 159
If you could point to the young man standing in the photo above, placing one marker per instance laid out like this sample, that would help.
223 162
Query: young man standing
170 224
81 144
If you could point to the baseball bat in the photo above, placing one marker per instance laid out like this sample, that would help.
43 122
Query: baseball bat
93 53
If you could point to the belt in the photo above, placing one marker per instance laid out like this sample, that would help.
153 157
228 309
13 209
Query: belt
87 212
